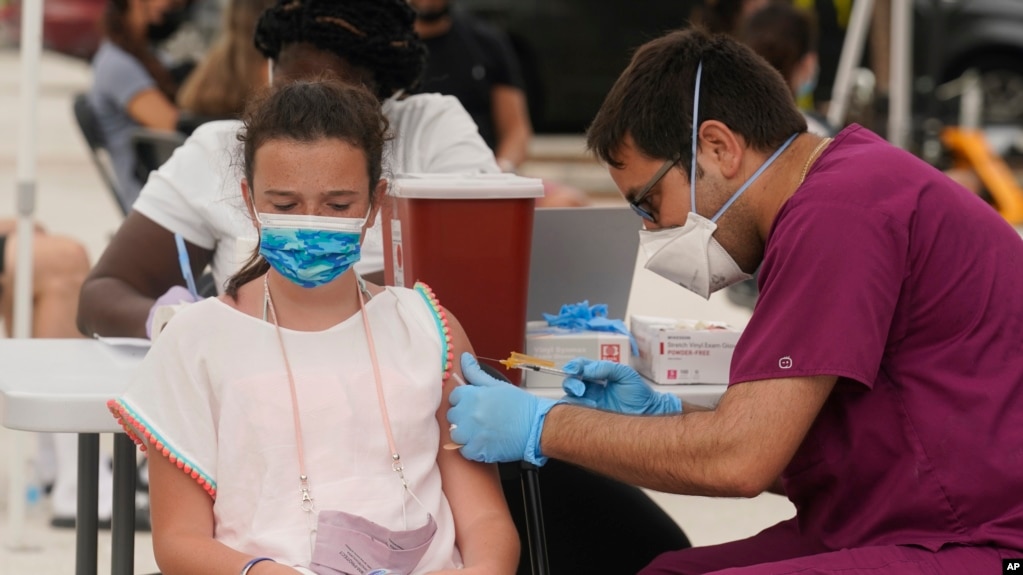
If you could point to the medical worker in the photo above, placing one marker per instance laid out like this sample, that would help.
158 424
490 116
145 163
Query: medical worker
879 383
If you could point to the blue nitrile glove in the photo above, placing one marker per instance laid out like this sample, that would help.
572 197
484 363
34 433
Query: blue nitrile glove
615 387
496 421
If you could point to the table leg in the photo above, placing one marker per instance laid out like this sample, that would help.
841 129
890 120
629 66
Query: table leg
122 560
534 519
86 521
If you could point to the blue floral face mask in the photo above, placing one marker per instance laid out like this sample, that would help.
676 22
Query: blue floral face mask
310 250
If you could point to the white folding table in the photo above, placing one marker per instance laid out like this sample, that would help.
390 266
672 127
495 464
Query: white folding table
62 386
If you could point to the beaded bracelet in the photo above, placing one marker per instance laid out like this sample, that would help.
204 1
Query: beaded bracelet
252 562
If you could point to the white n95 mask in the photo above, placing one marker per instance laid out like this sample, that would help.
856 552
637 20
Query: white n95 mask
690 256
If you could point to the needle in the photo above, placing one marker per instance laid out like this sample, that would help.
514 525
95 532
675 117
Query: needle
529 366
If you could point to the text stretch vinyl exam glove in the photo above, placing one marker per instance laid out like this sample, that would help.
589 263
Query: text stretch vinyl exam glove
615 387
495 421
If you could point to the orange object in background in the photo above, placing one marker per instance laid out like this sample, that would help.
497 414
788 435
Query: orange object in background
469 238
971 150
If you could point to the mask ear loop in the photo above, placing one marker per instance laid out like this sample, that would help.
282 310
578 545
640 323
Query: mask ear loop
692 167
753 178
696 125
270 71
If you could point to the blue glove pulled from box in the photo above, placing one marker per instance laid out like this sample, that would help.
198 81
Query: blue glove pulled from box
585 317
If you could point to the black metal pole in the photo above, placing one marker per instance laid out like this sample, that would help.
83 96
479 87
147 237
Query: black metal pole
936 54
534 520
87 518
931 148
122 560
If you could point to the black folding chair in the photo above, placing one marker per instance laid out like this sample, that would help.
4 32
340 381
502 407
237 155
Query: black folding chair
89 126
153 148
529 476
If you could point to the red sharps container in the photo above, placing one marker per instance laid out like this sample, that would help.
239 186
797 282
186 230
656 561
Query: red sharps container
468 237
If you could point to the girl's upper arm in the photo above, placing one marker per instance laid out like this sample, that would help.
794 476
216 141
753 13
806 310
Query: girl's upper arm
484 529
469 485
178 504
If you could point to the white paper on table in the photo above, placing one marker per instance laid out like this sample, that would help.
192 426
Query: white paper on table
126 341
129 349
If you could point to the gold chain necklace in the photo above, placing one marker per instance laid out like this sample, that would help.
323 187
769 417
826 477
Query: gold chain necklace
813 155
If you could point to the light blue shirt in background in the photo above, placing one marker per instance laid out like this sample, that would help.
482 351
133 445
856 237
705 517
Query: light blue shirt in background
117 77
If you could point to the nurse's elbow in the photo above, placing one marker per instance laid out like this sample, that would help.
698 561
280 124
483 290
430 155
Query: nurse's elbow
749 479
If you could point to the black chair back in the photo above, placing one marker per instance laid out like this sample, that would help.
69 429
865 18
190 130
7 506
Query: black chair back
89 126
153 148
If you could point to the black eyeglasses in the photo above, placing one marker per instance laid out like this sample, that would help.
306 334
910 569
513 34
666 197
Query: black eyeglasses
638 198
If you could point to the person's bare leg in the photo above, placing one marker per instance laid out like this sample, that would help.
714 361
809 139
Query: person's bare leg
59 268
7 285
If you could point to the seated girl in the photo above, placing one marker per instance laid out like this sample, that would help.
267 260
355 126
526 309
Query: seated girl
295 423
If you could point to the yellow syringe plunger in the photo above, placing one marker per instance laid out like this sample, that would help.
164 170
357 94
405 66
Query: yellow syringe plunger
516 359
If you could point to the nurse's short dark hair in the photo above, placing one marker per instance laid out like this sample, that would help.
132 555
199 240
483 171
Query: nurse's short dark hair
653 99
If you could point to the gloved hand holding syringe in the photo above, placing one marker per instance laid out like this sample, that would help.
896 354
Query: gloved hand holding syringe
598 384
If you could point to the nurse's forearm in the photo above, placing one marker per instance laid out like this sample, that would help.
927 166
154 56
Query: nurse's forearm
738 450
670 453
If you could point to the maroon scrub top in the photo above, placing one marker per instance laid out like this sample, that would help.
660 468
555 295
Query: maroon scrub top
882 271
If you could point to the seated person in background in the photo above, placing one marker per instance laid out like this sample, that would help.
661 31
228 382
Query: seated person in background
475 63
59 266
368 42
786 37
130 86
267 475
232 69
